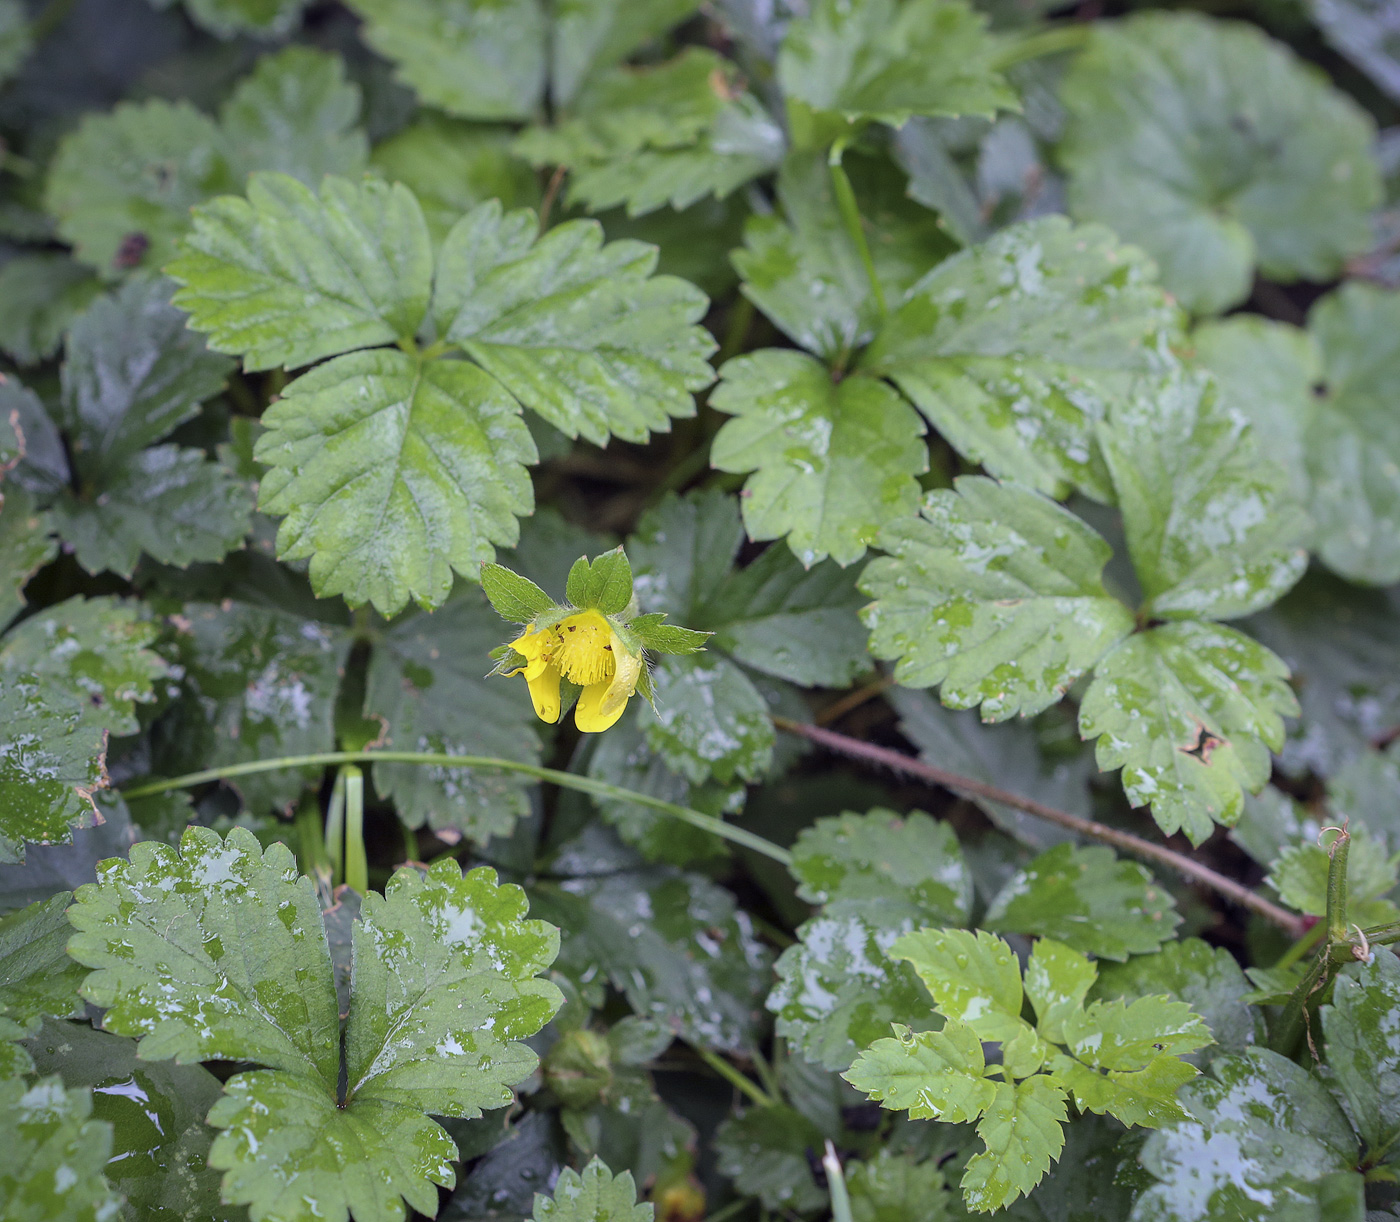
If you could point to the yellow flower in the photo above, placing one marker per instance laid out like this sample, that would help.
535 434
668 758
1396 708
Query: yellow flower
585 649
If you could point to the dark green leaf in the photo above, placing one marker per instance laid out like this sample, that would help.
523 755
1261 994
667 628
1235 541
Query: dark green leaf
43 465
591 35
40 294
54 1155
666 638
894 1188
683 551
1363 1046
595 1196
36 976
263 18
26 545
710 720
766 1152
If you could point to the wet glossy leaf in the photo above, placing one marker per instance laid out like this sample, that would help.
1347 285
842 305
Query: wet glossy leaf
934 1075
32 438
54 1155
894 1188
710 720
1363 1046
40 294
596 1195
1299 875
36 976
833 462
1189 711
26 545
682 550
973 977
1024 1132
765 1151
1213 148
997 595
1088 899
285 277
51 868
527 1157
592 35
1014 348
394 472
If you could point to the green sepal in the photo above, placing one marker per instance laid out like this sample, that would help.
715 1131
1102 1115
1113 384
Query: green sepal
604 585
667 638
515 598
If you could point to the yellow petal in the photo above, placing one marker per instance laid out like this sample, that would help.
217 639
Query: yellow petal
544 692
535 648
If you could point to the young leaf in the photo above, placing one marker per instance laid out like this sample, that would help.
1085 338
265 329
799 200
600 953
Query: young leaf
997 594
54 1155
40 294
973 977
580 332
1144 1096
1115 1035
1014 349
710 720
833 462
1362 1052
1023 1129
514 598
286 278
934 1075
594 1196
1088 899
1189 711
666 638
392 473
36 976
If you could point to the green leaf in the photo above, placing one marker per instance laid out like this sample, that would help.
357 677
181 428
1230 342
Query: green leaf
887 61
1014 348
424 671
43 465
1212 528
1212 147
258 684
52 758
40 294
262 18
997 594
666 638
26 545
474 60
759 612
682 552
591 35
973 977
580 332
1057 979
16 40
1118 1035
604 585
1299 875
514 598
121 185
93 651
452 167
833 462
1145 1096
286 278
1265 1136
392 473
1189 711
1363 1046
670 134
764 1151
1023 1129
710 720
295 114
934 1075
807 275
1088 899
54 1155
893 1187
36 976
595 1196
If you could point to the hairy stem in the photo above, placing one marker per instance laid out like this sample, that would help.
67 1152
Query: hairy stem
850 216
1337 886
1126 841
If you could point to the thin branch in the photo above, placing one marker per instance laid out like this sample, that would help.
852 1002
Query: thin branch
1126 841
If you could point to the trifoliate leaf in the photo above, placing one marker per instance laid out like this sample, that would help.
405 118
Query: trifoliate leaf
1265 1135
1023 1129
259 683
594 1196
286 278
934 1075
997 594
424 675
683 550
36 976
710 720
887 61
670 134
393 472
1363 1051
261 18
1213 148
893 1187
592 35
793 623
764 1151
452 167
40 294
807 274
296 114
1212 527
974 977
578 331
1014 348
833 462
1189 711
1088 899
26 545
123 183
54 1155
472 60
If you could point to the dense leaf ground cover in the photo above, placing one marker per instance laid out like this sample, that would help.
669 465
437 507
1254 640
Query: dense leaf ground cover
641 609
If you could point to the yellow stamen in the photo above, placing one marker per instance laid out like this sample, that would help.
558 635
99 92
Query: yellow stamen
584 650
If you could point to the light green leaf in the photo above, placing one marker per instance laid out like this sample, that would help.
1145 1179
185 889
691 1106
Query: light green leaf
893 1187
997 594
887 61
26 545
1014 349
40 294
1057 979
670 134
472 59
36 976
1124 1036
594 1196
1024 1133
1145 1096
604 584
1214 148
1189 711
974 977
683 550
764 1151
578 331
54 1155
392 473
261 18
295 114
1088 899
666 638
591 35
286 278
710 720
833 462
1362 1026
514 598
934 1075
1299 875
1212 527
122 184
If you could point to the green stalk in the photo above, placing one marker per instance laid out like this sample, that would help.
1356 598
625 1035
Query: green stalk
836 1183
566 780
335 829
356 860
311 841
1302 946
850 216
1044 42
1337 888
735 1079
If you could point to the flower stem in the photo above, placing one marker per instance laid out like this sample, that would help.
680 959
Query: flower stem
735 1079
850 215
